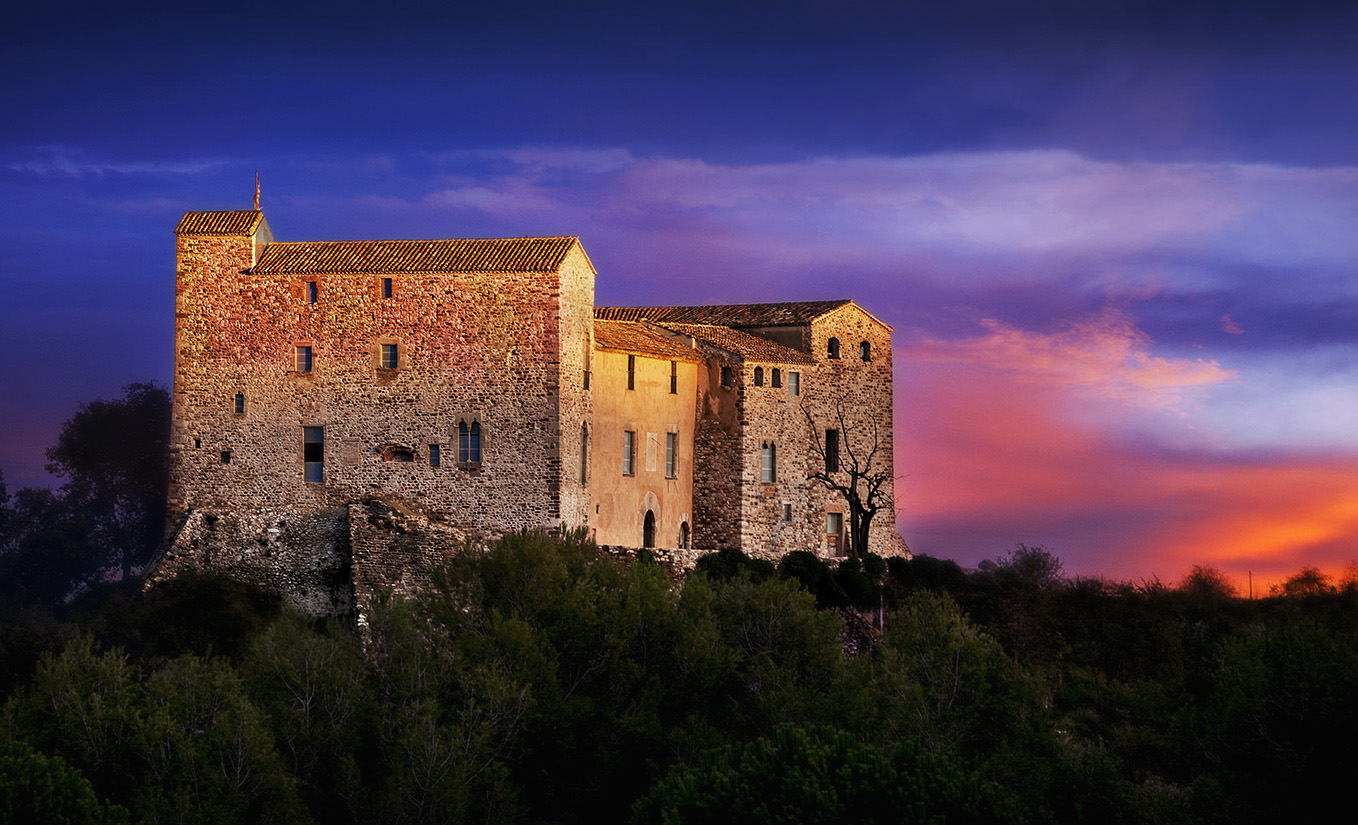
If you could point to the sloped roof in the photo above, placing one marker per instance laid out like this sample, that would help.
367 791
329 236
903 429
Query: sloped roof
382 257
788 313
626 336
243 222
750 347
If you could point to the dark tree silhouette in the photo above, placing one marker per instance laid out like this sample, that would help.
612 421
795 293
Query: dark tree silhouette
114 456
855 466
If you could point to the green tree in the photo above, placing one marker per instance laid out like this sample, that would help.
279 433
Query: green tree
114 457
44 790
821 775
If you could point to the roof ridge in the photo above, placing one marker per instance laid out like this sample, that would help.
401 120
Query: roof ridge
438 240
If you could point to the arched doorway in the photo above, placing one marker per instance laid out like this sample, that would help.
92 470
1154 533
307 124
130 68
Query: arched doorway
648 530
683 536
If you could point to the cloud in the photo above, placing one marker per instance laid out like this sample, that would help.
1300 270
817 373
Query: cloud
1104 355
990 457
1231 327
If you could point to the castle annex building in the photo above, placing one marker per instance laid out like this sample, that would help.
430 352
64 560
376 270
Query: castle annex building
347 411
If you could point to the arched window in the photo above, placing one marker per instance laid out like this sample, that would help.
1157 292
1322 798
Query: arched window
865 351
648 530
683 536
759 376
833 348
777 377
469 442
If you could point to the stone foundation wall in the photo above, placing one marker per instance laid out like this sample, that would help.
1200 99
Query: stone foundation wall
302 555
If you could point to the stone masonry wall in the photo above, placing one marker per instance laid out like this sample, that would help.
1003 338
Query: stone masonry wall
772 416
866 390
717 456
301 554
478 347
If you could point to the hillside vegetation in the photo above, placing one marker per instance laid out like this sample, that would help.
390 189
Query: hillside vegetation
541 682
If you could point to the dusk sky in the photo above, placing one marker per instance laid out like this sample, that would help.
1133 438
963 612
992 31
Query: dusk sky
1116 240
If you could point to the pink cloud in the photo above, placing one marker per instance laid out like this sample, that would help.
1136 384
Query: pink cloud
1019 436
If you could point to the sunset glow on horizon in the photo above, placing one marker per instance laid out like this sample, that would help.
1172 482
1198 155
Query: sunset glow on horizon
1116 242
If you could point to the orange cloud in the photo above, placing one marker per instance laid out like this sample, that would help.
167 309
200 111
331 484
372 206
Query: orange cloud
1017 436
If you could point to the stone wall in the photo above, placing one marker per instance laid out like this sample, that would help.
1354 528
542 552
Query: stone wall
302 555
501 350
717 456
865 388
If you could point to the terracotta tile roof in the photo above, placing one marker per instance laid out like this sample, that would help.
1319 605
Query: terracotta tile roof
219 223
750 347
626 336
459 255
789 313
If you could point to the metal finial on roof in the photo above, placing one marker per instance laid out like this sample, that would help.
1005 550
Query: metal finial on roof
256 190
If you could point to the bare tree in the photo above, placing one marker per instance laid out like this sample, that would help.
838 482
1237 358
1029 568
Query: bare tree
850 459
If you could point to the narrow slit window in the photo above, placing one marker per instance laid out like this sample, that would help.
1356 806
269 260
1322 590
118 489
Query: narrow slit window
832 451
671 455
674 378
584 453
303 360
386 287
629 447
631 372
311 292
313 454
787 511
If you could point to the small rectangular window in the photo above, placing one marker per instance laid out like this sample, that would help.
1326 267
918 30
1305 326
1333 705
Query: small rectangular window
226 456
674 378
304 359
794 383
631 372
434 457
240 403
834 532
388 357
787 511
629 446
386 287
313 454
671 459
832 451
311 292
726 376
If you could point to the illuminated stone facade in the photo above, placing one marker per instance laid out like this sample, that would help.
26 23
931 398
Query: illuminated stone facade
472 387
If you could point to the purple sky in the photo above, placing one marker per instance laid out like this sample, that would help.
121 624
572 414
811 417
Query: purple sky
1116 239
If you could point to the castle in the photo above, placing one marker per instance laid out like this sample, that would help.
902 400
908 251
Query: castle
345 412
